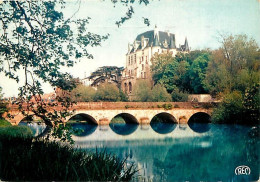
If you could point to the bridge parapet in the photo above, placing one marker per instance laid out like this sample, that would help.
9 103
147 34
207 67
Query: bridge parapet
104 112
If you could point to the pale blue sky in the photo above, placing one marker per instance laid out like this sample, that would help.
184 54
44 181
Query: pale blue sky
199 20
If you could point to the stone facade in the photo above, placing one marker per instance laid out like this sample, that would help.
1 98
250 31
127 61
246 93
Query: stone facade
138 57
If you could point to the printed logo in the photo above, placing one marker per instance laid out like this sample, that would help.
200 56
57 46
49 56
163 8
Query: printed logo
242 170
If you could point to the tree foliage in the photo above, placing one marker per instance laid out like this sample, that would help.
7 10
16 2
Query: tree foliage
234 73
83 93
234 66
37 39
238 107
142 90
197 73
181 71
160 94
106 73
107 92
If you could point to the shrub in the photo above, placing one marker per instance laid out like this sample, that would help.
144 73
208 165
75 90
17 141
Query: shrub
176 106
238 107
230 110
179 96
167 106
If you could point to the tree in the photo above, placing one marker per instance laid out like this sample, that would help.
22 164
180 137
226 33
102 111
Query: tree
179 96
83 93
105 74
233 72
238 107
159 63
230 110
160 94
197 73
142 91
37 39
167 71
238 56
107 92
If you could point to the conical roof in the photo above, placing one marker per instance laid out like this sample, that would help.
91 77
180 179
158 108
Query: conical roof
156 41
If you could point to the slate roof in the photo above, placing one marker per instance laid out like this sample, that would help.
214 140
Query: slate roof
162 37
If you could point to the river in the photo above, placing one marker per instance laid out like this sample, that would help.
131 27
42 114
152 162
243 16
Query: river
172 152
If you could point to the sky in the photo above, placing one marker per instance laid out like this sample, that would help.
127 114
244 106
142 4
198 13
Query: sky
201 21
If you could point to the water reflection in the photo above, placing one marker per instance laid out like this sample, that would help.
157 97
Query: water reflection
163 128
83 129
183 154
37 127
123 128
199 127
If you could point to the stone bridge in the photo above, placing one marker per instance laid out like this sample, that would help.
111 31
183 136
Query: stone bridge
137 112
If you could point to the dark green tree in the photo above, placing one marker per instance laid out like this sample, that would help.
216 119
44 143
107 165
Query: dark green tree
105 74
197 74
169 72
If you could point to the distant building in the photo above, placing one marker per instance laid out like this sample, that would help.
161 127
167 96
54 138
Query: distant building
138 57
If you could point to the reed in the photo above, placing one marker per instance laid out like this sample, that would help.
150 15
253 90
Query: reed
26 159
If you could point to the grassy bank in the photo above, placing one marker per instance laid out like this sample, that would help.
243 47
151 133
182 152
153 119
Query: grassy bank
3 122
24 158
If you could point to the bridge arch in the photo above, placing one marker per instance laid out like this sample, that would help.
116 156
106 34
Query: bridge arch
163 123
82 124
124 124
35 124
128 118
199 122
83 117
164 117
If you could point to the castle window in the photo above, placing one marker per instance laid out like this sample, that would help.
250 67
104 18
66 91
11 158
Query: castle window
142 67
125 87
130 87
142 58
135 58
